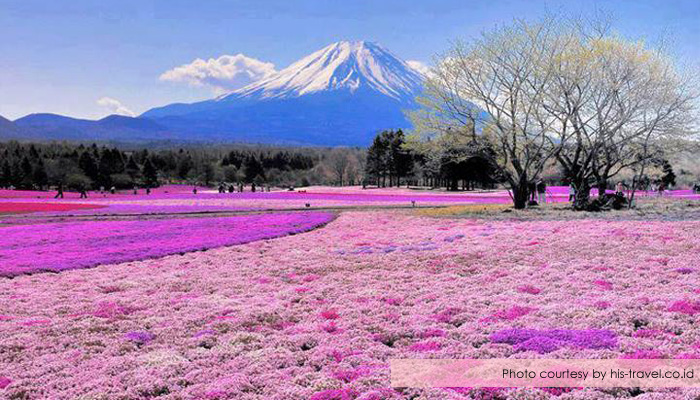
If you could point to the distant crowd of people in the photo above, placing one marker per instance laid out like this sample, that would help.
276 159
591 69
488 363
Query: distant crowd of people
238 187
222 188
537 191
84 192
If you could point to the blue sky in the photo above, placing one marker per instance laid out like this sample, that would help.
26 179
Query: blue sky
66 56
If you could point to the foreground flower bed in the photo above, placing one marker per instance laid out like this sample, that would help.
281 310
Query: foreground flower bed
60 246
318 316
20 208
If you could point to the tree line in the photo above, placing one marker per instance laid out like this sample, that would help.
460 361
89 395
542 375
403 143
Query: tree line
80 166
393 160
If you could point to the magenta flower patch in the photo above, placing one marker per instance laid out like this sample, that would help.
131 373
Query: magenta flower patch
4 382
61 246
603 284
426 346
547 341
330 314
140 337
685 307
684 271
529 289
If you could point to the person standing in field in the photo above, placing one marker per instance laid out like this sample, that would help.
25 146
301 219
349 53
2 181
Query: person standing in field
532 189
620 189
572 192
541 192
60 191
83 193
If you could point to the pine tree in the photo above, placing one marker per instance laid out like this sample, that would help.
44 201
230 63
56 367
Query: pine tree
26 172
87 164
150 174
669 177
132 169
5 173
39 175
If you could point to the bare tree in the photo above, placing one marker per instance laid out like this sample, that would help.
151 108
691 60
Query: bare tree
610 99
338 162
558 89
496 82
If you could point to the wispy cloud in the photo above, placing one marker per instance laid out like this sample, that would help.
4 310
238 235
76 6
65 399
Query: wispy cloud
115 106
222 74
419 66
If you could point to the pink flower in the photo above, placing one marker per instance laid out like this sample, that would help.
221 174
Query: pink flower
644 354
330 314
603 284
334 394
685 307
602 305
529 289
330 327
434 332
393 301
446 315
512 313
4 382
110 309
426 346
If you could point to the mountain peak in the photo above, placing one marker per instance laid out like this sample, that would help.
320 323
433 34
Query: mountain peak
341 66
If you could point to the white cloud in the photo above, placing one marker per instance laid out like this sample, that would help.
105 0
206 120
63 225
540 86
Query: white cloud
419 66
115 106
222 74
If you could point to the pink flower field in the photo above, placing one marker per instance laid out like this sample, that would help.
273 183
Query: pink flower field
319 315
30 248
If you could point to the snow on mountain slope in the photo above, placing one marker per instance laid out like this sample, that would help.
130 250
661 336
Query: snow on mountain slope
342 94
349 66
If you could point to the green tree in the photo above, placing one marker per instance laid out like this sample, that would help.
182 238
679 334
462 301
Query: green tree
150 174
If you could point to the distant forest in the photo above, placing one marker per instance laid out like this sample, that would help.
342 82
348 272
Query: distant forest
389 161
79 166
386 163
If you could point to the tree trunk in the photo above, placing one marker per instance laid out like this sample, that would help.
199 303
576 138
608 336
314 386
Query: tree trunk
583 194
520 194
602 186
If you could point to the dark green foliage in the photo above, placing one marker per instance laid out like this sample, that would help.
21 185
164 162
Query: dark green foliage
386 158
669 177
39 165
390 163
150 174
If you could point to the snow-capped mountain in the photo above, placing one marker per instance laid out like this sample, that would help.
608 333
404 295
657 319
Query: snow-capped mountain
350 66
342 94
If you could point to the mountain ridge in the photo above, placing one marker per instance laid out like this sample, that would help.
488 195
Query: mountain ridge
342 94
48 126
